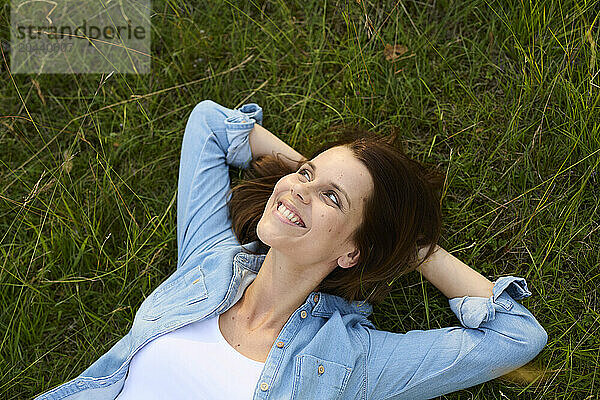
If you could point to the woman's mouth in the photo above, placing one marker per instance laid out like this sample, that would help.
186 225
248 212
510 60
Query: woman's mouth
289 216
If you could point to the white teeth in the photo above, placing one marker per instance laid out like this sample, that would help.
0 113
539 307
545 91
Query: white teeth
288 214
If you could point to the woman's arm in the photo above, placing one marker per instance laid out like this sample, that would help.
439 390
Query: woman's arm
453 277
263 142
497 335
215 138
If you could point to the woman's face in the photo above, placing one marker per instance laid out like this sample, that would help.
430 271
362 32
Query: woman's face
327 196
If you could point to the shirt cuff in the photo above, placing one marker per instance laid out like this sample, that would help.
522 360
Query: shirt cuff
238 127
474 311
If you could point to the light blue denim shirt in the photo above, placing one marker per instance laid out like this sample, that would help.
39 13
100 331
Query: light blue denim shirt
330 348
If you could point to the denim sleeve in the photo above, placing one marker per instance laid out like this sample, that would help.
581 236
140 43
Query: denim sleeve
497 336
215 137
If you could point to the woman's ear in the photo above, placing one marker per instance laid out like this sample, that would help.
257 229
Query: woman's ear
349 260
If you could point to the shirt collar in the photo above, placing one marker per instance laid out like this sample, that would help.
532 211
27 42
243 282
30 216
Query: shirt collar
324 304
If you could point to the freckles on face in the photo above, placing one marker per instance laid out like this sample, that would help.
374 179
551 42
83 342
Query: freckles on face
337 169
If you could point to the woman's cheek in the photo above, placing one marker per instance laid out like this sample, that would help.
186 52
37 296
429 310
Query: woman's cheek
331 224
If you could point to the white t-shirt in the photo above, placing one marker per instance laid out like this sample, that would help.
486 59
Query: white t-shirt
192 362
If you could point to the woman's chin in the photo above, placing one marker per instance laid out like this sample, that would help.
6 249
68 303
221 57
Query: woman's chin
265 233
275 238
271 239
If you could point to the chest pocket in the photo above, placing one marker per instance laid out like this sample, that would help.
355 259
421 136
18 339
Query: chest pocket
177 291
316 378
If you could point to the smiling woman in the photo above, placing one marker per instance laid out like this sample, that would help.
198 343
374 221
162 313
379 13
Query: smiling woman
355 188
274 277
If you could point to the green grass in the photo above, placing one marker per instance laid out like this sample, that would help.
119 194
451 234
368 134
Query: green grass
501 96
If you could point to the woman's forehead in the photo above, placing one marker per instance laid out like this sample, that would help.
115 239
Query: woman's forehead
339 165
339 161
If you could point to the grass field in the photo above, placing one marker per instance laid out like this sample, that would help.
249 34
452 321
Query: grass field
502 96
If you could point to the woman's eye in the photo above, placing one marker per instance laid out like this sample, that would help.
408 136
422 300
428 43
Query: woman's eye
334 198
304 172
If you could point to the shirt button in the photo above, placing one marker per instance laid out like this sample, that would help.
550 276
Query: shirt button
316 298
321 369
280 344
303 314
264 386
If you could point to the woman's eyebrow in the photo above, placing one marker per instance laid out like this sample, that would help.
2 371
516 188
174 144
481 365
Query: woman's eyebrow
314 168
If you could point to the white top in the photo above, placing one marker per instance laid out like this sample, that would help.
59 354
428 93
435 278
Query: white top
192 362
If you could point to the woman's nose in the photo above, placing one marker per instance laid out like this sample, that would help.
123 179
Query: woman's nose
300 191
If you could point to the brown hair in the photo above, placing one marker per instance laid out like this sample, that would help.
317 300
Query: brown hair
402 213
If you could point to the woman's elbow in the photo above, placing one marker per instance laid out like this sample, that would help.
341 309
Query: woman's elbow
537 340
520 347
525 340
532 341
196 118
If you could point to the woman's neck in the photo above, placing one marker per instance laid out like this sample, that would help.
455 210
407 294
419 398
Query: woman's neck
277 291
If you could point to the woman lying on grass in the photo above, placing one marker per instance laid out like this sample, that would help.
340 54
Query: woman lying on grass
285 315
